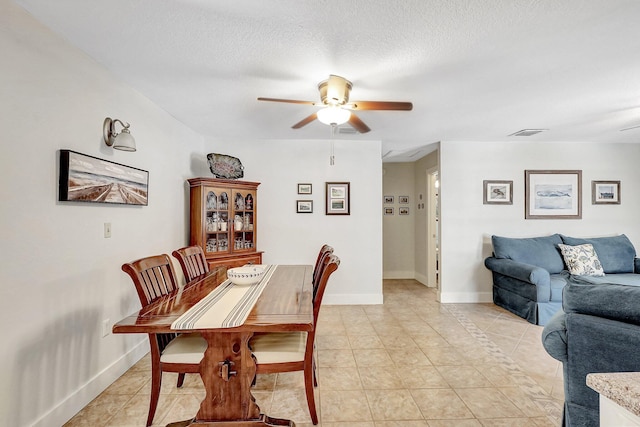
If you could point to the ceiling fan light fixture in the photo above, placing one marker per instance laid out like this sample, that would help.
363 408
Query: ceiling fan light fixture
334 115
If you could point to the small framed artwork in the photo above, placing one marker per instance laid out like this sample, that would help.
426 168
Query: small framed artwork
304 206
497 192
403 210
388 200
388 211
605 192
304 188
404 200
553 194
85 178
337 198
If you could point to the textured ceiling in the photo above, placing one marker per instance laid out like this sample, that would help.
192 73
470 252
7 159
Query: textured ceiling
474 70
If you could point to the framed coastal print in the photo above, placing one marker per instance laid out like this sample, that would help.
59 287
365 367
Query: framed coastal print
337 198
304 206
404 200
388 200
85 178
605 192
304 188
388 211
497 192
403 210
553 194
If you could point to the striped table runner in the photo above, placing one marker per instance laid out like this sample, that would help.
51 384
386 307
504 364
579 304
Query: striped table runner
226 306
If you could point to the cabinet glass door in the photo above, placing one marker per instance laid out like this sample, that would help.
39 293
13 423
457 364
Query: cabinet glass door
217 220
243 220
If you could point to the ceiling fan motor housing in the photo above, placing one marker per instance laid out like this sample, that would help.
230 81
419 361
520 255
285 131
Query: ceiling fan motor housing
335 90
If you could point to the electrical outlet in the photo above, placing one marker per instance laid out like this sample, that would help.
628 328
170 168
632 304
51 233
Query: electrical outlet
107 230
105 327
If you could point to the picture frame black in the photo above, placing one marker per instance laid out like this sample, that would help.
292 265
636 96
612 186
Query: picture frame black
337 198
89 179
304 206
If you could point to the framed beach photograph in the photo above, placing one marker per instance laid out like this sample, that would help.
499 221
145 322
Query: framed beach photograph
605 192
304 206
337 198
388 200
85 178
388 211
304 188
404 200
553 194
403 210
496 192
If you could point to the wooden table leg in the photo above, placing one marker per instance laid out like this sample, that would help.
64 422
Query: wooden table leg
228 370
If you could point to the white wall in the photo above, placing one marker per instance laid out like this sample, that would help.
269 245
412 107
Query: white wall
59 277
288 237
399 236
467 224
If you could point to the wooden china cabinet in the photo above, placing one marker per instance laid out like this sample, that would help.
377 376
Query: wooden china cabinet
224 217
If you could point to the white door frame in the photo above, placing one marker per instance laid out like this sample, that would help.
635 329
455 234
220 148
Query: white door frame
433 229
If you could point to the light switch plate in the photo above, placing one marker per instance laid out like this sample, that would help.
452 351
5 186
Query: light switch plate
107 230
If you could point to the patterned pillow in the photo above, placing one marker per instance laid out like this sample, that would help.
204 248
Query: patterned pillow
581 260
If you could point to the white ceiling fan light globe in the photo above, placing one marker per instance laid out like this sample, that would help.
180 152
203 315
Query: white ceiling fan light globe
334 115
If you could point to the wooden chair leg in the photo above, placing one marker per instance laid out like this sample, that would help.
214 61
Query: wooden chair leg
309 379
180 379
156 382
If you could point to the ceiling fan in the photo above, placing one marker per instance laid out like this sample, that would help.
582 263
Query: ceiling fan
334 98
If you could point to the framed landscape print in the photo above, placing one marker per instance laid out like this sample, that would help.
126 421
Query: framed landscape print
388 211
304 206
403 200
85 178
402 210
553 194
605 192
497 192
304 188
388 199
337 198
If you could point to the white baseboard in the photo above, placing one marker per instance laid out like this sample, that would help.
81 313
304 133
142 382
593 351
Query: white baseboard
70 406
398 275
352 299
422 279
465 297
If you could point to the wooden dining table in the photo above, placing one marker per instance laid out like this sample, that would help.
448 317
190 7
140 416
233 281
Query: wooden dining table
228 368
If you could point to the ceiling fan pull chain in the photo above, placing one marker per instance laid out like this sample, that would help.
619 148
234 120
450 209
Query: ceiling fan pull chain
332 158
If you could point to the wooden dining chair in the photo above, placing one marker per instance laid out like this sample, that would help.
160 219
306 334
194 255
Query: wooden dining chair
153 278
324 252
192 261
294 351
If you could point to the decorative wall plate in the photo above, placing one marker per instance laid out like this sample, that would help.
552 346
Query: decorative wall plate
223 166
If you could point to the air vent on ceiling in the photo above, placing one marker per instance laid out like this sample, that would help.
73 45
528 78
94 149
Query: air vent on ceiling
527 132
347 130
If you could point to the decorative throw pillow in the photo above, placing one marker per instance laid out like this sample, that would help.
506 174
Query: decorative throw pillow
581 260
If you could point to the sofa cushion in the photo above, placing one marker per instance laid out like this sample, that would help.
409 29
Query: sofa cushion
538 251
608 300
629 279
581 260
616 253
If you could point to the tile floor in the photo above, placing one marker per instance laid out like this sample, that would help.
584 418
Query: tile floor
411 362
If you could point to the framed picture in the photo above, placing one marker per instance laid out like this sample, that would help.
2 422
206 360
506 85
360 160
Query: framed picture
85 178
337 198
388 200
304 206
388 211
403 200
403 210
497 192
553 194
304 188
605 192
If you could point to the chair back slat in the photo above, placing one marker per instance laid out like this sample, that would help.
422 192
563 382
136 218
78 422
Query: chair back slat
325 251
331 266
192 261
153 277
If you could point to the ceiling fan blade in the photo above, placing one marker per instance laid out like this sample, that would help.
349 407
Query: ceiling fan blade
305 121
632 127
291 101
380 105
358 124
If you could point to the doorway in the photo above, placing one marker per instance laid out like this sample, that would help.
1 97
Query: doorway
433 228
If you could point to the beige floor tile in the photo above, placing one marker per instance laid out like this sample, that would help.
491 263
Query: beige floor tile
440 403
336 359
423 377
372 357
392 405
488 403
339 379
463 376
411 358
351 405
359 342
332 342
454 423
381 377
413 423
290 404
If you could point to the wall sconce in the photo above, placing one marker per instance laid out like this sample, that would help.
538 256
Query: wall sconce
119 141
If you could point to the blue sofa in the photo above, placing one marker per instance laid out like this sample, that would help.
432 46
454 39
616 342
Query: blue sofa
598 330
529 274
